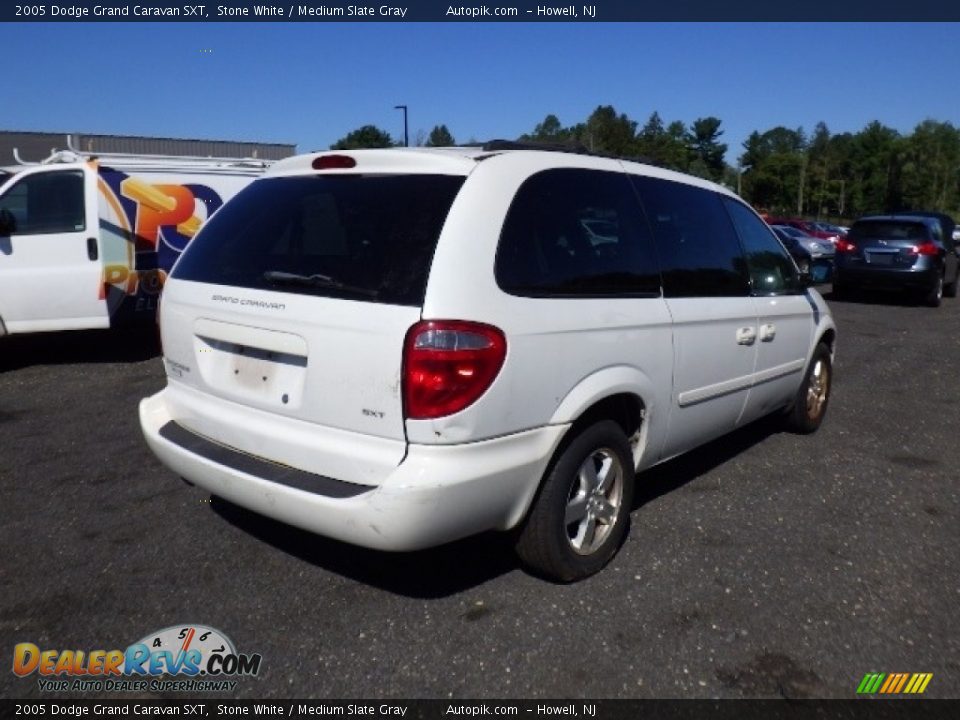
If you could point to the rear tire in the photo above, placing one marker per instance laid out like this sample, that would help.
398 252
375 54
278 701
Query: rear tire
582 511
933 298
950 290
813 396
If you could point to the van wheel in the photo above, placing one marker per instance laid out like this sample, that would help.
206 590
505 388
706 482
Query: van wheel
810 405
582 512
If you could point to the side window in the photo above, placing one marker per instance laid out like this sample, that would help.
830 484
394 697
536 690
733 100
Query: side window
572 232
772 272
700 255
47 203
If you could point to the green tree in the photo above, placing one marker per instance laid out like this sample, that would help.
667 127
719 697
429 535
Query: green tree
549 131
705 150
440 137
676 151
875 159
931 167
820 170
663 146
774 170
368 136
606 131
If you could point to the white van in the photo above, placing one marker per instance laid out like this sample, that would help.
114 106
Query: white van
398 348
87 241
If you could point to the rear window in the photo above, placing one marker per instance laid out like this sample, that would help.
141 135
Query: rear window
354 236
889 230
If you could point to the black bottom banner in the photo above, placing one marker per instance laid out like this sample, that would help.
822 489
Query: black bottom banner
867 709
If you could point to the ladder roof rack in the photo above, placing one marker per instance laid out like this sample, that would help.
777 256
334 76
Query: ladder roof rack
251 161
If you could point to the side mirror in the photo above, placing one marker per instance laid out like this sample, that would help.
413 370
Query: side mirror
8 223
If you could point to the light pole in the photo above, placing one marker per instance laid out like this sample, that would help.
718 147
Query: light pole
406 138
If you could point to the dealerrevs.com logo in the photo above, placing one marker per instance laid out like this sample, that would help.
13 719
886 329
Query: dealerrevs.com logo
200 657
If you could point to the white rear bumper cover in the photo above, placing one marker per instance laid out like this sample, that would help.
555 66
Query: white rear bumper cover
435 495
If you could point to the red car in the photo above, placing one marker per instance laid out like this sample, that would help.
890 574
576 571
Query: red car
810 228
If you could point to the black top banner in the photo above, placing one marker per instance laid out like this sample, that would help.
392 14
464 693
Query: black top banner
496 11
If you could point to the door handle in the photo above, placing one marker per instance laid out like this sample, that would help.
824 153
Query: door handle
92 251
746 336
768 332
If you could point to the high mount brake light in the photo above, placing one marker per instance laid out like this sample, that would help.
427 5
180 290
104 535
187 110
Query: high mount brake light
448 365
333 162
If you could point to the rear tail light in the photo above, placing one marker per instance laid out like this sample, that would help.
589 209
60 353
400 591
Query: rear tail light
927 248
448 365
844 245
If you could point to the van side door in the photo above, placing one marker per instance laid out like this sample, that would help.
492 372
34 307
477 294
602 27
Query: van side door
707 292
785 313
50 270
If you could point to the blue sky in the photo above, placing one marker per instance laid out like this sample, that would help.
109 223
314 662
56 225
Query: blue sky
312 83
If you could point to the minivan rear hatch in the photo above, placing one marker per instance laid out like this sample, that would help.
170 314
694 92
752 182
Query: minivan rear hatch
294 301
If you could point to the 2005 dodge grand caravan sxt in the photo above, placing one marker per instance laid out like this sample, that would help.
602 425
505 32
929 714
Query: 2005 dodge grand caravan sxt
398 348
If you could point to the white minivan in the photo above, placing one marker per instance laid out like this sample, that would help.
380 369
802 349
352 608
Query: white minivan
398 348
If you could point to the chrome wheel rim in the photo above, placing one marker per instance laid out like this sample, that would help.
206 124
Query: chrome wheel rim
594 502
817 389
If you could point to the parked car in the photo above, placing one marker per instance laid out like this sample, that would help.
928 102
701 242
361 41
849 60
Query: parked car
898 252
947 225
398 348
832 230
808 226
811 254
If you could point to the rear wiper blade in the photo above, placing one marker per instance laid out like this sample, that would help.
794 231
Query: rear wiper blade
279 277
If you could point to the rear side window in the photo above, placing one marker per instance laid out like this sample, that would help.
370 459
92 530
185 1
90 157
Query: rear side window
359 237
889 230
572 232
47 203
772 272
700 254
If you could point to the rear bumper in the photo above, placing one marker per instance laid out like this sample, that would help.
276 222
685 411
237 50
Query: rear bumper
886 278
435 495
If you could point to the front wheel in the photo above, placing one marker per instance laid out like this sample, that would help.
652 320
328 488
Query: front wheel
810 404
582 511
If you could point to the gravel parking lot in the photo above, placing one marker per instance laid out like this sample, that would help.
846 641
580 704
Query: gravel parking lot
764 564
